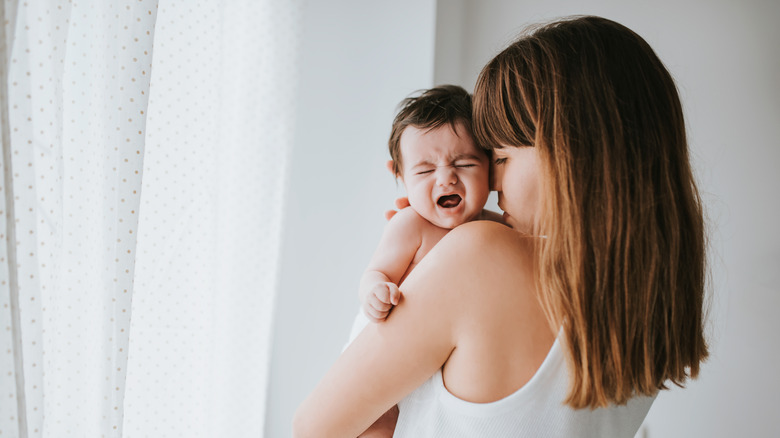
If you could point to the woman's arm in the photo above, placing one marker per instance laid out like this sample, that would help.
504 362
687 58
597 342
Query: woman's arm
389 360
376 372
477 276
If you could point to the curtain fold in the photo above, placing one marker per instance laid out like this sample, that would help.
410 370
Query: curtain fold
145 199
14 407
78 81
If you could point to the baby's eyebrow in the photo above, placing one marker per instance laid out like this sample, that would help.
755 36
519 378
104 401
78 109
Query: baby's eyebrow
465 157
423 164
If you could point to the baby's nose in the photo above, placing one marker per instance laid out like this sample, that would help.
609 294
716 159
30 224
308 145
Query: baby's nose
446 176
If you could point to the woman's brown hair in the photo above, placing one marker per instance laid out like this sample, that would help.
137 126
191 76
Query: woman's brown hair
622 270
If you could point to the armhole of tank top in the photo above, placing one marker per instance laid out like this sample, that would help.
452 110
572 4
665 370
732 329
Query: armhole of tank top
547 370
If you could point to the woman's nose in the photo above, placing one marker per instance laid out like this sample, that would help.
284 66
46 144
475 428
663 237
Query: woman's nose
446 176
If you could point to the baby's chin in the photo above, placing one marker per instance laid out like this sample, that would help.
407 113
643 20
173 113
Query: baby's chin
451 222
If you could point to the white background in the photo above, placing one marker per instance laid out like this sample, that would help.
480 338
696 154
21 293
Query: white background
359 60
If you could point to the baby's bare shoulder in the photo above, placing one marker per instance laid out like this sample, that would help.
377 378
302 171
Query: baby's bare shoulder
407 215
406 224
408 218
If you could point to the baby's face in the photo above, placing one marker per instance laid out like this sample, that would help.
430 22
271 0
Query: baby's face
445 174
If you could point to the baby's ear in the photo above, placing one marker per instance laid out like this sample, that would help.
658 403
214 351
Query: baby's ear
397 176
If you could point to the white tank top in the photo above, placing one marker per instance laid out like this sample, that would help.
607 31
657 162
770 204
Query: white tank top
535 410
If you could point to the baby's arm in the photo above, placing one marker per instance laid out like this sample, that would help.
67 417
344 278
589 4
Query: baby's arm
399 244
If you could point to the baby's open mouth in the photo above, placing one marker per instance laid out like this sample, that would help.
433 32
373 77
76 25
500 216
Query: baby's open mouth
449 201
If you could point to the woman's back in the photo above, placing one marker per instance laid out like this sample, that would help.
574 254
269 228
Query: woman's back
507 374
501 333
535 410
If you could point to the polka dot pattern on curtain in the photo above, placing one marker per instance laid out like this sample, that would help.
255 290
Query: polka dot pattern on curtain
78 91
221 113
148 148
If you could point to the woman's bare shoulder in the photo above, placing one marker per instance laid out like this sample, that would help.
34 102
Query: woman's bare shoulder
475 256
482 275
486 228
489 239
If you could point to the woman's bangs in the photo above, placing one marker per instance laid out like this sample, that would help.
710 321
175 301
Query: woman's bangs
500 116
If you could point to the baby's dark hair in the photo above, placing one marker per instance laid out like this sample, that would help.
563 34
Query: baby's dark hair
429 110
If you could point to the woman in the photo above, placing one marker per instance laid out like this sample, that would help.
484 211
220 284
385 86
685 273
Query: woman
568 323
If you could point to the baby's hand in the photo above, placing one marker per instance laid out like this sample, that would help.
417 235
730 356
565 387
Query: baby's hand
380 301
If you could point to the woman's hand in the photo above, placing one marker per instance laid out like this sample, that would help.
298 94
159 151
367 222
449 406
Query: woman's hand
400 204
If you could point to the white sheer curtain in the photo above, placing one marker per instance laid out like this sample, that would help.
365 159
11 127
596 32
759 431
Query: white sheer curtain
144 148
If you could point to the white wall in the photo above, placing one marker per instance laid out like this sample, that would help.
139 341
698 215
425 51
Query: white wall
358 60
724 56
